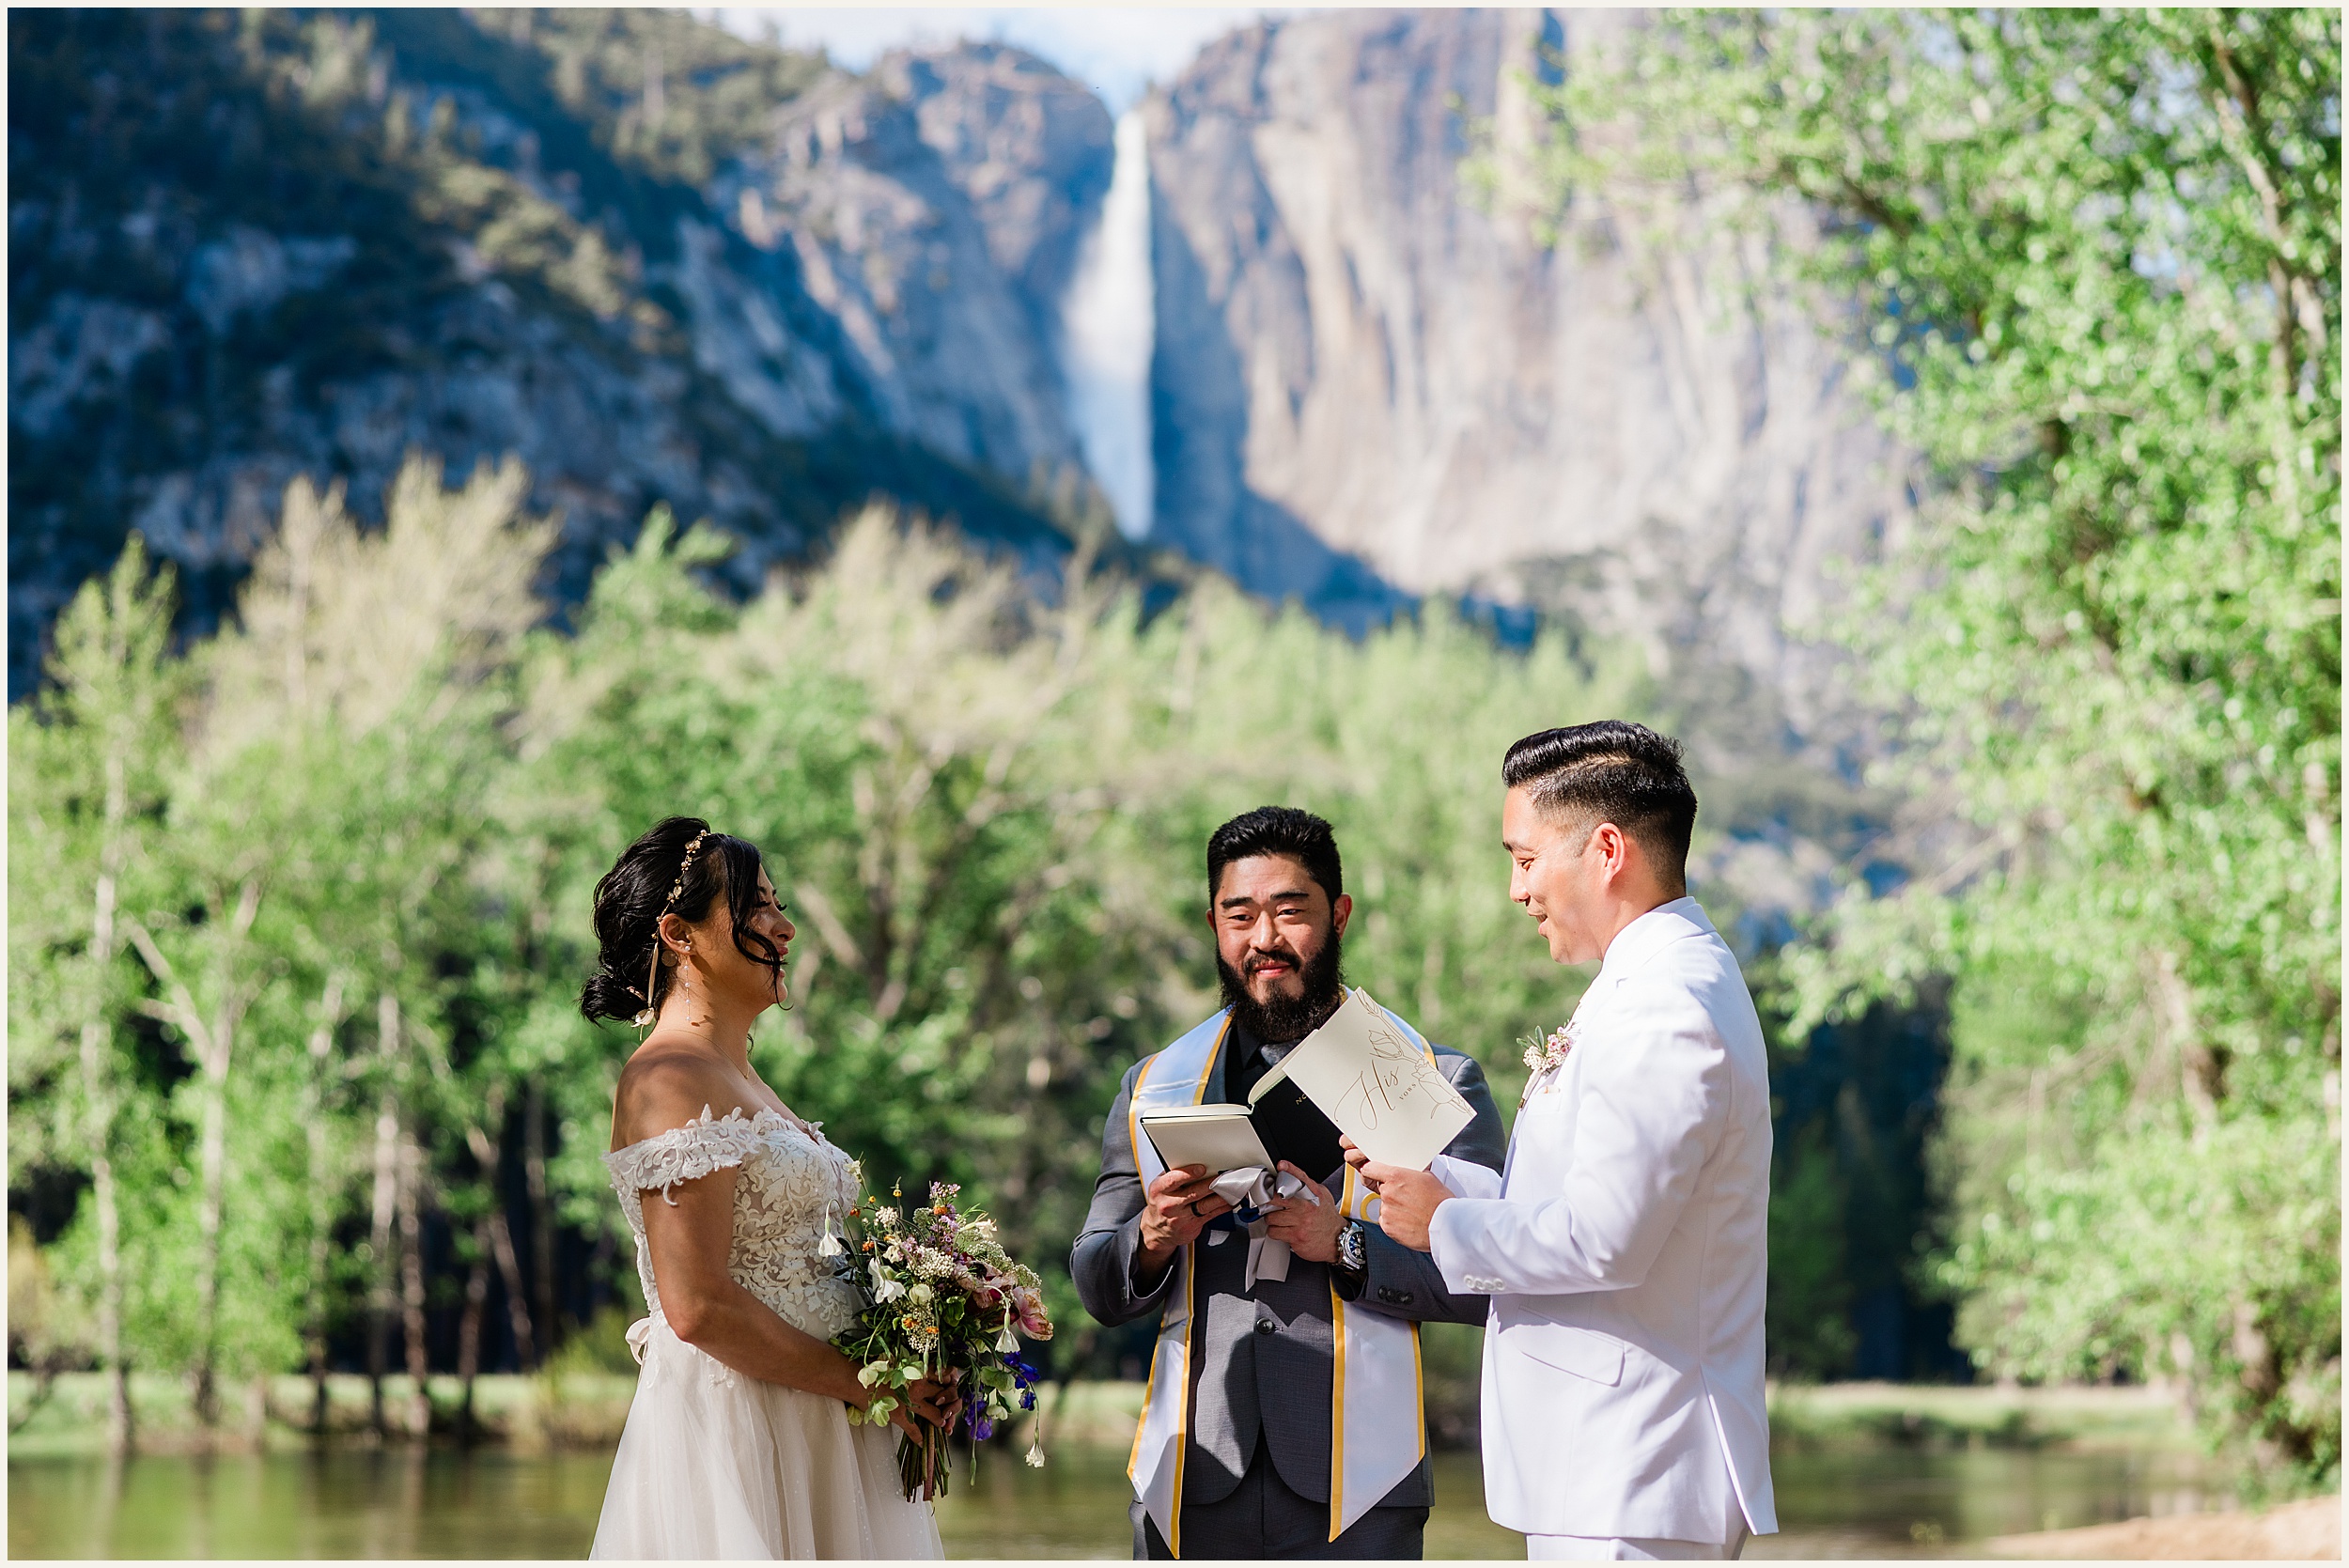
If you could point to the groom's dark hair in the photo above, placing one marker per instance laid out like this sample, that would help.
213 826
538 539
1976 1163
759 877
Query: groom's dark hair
1612 771
1277 831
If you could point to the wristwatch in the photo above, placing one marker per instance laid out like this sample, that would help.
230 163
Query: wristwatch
1352 1257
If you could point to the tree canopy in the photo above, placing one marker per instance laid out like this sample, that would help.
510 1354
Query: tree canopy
2087 265
326 1081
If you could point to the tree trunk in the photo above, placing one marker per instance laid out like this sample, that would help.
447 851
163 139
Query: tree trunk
212 1161
257 1413
121 1434
541 1225
2202 1075
98 1097
411 1286
322 1199
215 1049
99 1129
517 1307
469 1328
499 1234
386 1200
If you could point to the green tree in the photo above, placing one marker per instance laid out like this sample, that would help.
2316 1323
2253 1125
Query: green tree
389 790
1809 1332
87 777
353 716
2090 264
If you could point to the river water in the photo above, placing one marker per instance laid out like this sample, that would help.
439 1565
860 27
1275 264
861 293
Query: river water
432 1503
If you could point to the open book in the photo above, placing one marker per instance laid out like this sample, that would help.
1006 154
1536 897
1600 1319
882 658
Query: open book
1374 1082
1220 1137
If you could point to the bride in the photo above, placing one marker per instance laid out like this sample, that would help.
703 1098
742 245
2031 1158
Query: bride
738 1443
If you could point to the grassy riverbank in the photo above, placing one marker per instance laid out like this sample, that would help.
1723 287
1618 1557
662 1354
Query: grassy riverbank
586 1411
1861 1469
1851 1417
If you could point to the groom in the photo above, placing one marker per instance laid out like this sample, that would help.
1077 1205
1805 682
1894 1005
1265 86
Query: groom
1283 1418
1623 1250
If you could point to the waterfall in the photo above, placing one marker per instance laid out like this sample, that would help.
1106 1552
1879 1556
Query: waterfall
1108 328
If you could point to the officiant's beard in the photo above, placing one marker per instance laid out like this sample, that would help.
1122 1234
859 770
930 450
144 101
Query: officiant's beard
1282 1019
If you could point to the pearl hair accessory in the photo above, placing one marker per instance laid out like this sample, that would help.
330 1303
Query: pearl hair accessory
644 1018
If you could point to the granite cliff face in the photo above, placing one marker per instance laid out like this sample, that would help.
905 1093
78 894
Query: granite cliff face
660 263
656 262
1360 366
932 211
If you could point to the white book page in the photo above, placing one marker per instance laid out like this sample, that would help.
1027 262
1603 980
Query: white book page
1381 1089
1221 1143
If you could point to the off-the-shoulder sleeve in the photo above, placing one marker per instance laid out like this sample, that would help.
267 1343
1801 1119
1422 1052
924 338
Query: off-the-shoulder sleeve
683 1154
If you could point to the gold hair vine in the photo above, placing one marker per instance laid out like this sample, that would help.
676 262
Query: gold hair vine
652 978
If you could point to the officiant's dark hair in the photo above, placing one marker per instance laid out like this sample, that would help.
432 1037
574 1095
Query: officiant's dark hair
1619 772
1277 831
680 867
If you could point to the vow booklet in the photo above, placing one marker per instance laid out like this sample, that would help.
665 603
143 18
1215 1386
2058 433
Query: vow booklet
1381 1090
1220 1137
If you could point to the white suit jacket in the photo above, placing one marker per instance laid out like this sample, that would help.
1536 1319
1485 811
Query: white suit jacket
1624 1248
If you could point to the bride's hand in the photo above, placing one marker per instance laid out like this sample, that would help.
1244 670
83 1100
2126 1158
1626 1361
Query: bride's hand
934 1403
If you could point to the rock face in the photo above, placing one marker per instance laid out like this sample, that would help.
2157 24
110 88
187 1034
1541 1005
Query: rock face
657 263
663 264
1359 367
932 211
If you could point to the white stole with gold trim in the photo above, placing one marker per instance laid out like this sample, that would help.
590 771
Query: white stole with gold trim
1377 1422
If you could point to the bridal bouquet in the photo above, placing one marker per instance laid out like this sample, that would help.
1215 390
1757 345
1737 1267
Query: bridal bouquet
942 1302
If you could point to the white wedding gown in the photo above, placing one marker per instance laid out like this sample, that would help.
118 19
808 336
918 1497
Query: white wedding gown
717 1465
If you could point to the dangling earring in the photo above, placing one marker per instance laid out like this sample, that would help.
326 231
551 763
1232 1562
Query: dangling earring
644 1019
685 986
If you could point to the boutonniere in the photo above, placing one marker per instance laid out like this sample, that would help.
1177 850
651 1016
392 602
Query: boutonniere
1547 1055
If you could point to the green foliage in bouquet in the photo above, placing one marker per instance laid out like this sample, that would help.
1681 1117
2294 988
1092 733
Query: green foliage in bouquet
946 1304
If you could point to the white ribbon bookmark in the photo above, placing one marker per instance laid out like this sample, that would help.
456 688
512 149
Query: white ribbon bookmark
1253 1187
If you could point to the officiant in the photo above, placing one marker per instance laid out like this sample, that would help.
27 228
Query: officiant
1284 1416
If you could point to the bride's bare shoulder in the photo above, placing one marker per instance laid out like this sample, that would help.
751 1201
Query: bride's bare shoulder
664 1086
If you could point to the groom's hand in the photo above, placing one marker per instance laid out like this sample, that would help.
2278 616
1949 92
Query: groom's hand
1179 1205
1407 1199
1310 1228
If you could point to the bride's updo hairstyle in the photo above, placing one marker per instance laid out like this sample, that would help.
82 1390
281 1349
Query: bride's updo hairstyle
636 893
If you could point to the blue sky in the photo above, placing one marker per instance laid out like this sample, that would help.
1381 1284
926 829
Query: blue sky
1117 51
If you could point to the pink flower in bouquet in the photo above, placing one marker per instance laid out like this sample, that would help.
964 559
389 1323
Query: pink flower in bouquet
985 1289
1027 1307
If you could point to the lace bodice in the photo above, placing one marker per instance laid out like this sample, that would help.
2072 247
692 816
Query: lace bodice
792 1181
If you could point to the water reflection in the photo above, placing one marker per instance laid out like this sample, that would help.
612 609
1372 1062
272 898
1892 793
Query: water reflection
344 1503
401 1503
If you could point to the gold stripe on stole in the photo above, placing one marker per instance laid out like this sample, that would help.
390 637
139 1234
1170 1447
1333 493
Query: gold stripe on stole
1183 1262
1182 1424
1337 1380
1337 1413
1418 1377
1198 1096
1357 1201
1141 1422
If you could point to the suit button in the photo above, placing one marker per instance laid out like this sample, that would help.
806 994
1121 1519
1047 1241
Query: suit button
1265 1326
1395 1298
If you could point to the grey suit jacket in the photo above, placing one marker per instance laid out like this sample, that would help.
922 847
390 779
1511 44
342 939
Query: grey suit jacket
1264 1357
